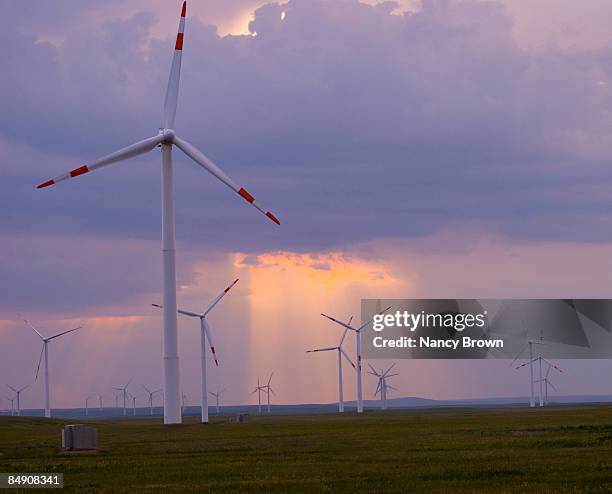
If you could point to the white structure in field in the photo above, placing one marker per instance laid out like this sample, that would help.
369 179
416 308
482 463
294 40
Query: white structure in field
357 332
166 138
205 334
341 353
217 395
124 391
45 351
382 386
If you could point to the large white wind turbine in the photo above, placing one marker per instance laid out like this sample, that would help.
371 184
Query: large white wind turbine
167 138
341 353
217 395
151 393
124 391
45 350
17 392
205 333
382 386
357 332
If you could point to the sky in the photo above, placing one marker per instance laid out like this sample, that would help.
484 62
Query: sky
434 148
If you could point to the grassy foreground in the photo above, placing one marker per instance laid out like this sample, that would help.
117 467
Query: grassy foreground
513 450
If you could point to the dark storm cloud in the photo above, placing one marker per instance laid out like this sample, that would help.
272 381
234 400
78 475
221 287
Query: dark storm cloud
348 121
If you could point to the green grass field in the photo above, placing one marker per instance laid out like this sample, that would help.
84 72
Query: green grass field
559 449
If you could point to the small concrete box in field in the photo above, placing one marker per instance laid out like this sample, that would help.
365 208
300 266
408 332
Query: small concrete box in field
79 437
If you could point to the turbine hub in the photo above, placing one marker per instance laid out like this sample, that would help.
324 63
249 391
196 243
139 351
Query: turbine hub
168 136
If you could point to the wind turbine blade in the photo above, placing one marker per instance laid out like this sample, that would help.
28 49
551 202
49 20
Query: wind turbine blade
272 390
391 387
322 349
345 355
372 373
339 322
63 333
35 330
210 341
26 386
219 297
552 386
12 388
373 369
388 370
523 365
208 165
377 314
551 365
175 74
392 375
519 354
39 361
123 154
345 331
147 389
269 380
188 313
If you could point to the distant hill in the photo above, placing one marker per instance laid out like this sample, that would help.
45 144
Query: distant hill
312 408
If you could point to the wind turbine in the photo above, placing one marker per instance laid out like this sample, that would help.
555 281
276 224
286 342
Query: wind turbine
125 392
205 333
151 393
341 353
18 397
183 400
166 137
217 395
87 405
12 400
546 380
133 398
99 402
529 345
258 390
382 386
45 350
357 332
541 380
269 390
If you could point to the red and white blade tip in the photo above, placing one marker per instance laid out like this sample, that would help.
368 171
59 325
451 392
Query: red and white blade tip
250 199
71 174
157 305
229 287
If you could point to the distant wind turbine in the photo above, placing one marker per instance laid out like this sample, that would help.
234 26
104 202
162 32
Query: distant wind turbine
382 386
45 350
217 395
18 392
151 393
341 353
258 390
125 393
99 402
529 345
546 379
167 138
542 380
12 400
205 334
133 398
269 390
357 332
